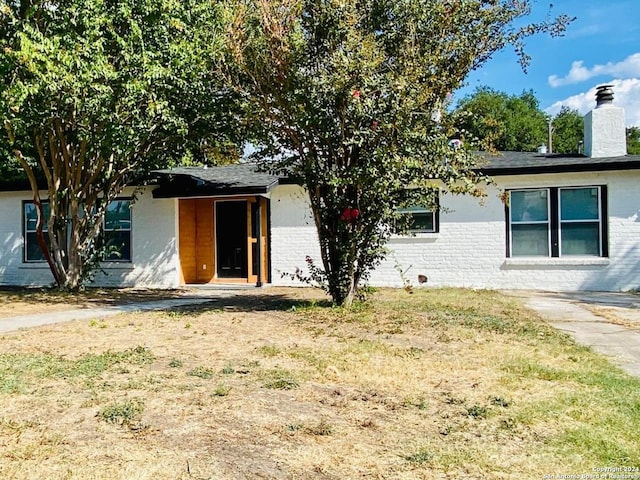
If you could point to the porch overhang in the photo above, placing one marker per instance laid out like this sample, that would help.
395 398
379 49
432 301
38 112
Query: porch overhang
240 179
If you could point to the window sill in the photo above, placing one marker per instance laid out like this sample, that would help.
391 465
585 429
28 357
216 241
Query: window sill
417 237
106 266
123 265
561 261
35 266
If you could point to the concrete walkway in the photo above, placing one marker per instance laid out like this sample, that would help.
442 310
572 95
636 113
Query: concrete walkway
8 324
607 322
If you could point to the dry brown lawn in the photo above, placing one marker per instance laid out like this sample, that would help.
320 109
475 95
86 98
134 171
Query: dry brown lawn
276 384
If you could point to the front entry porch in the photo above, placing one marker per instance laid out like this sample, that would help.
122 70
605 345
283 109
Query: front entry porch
224 240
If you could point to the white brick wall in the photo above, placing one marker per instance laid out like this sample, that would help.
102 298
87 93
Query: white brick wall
470 248
468 251
154 252
293 233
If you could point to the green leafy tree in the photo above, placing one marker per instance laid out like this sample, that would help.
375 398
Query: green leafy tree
350 97
568 131
97 92
633 140
504 122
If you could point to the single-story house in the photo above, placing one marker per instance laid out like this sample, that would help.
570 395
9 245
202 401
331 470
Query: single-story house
570 222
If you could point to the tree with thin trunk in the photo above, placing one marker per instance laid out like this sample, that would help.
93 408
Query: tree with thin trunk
350 99
96 93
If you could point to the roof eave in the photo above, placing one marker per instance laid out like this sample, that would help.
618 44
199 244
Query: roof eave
572 168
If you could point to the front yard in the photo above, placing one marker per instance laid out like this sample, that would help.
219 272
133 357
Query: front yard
275 384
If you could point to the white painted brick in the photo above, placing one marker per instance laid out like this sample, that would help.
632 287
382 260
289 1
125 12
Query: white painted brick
154 250
470 249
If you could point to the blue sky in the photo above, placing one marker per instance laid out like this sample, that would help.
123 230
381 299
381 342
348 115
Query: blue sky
602 46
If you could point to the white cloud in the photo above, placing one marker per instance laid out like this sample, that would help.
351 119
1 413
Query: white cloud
626 95
629 67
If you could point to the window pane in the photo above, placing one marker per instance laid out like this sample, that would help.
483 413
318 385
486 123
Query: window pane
118 245
118 216
422 222
580 238
31 216
529 206
32 250
579 204
529 240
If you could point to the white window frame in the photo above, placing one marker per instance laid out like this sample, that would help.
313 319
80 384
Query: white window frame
421 211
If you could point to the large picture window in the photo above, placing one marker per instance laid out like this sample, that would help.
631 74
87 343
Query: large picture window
116 232
557 222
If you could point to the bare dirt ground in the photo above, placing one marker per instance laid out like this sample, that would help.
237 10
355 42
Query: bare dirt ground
278 385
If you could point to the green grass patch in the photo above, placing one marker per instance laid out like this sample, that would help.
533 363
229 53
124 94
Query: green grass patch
201 372
269 351
280 379
122 413
420 457
221 390
19 370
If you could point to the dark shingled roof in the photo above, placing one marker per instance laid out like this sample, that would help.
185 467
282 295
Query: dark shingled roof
238 179
245 179
519 163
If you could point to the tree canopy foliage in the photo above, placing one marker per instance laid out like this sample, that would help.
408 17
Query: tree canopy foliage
504 122
349 97
96 93
568 131
496 120
633 140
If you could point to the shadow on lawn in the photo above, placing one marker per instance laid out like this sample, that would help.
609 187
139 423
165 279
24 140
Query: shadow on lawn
630 300
91 297
254 303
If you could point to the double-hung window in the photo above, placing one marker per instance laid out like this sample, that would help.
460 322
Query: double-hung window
116 231
557 222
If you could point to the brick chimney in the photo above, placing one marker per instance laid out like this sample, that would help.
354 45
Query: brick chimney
604 128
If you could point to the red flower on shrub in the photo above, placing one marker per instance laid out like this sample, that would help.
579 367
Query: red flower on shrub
356 93
349 215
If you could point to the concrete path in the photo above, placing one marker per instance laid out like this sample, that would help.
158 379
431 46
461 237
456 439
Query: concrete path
607 322
8 324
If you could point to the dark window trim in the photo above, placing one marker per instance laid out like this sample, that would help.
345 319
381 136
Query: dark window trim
24 233
114 260
130 230
604 220
554 219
